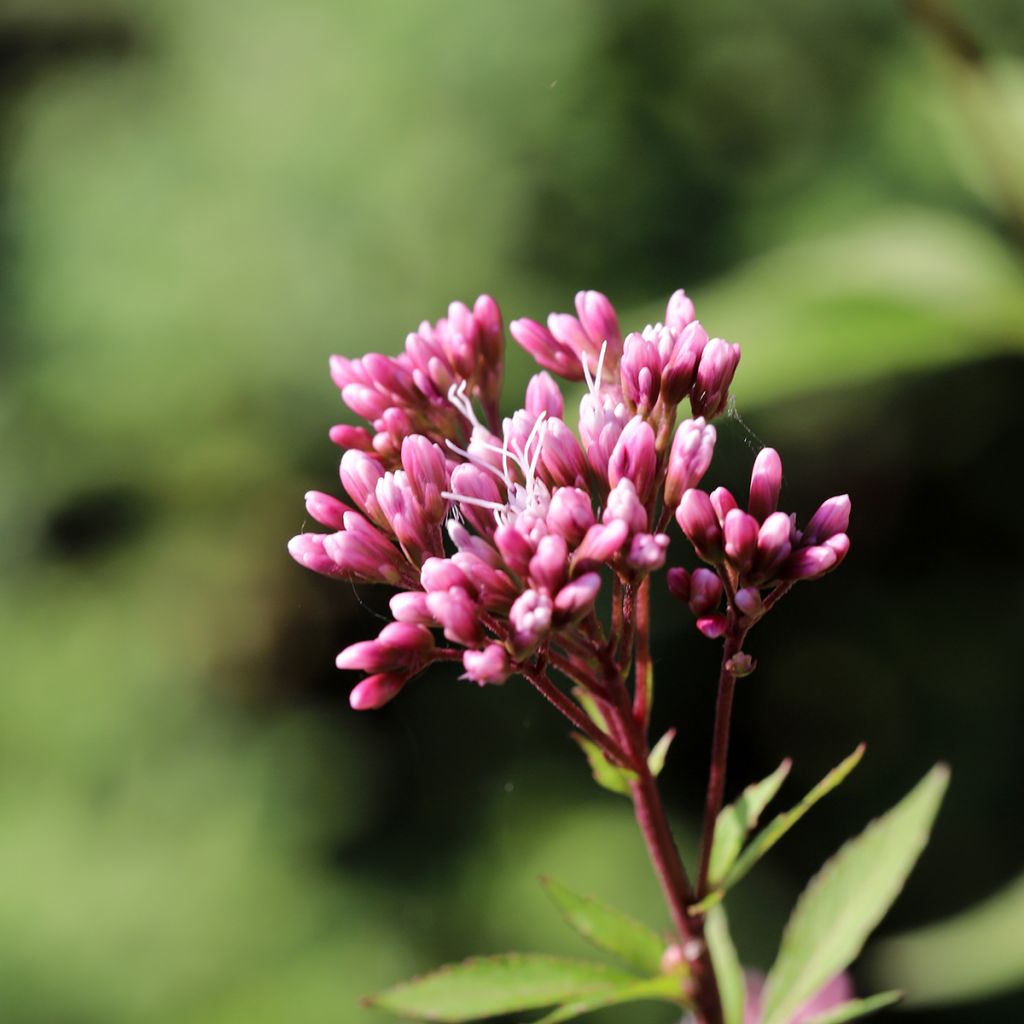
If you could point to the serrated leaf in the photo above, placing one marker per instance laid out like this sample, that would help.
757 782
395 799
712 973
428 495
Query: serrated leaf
738 819
631 941
488 986
780 825
856 1008
731 985
849 896
606 774
665 988
656 758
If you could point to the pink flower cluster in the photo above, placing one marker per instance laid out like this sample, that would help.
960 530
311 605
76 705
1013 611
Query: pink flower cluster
500 533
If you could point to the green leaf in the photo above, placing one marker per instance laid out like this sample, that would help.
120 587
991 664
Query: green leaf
488 986
856 1008
606 774
849 896
781 824
731 985
632 942
656 758
736 821
667 988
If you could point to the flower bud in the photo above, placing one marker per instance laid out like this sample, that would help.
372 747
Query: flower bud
530 618
411 606
601 543
576 599
491 665
570 514
647 551
561 456
488 319
544 395
696 515
365 401
515 549
678 580
597 316
345 436
326 509
359 474
457 614
549 566
713 626
705 592
624 504
774 543
640 372
679 312
765 484
832 517
723 503
375 691
807 563
373 656
404 636
679 365
715 371
427 473
308 550
689 458
442 574
551 354
741 534
635 458
363 553
748 601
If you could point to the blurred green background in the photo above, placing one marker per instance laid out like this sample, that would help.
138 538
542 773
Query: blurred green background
200 201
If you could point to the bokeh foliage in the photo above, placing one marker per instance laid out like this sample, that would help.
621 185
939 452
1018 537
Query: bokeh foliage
198 202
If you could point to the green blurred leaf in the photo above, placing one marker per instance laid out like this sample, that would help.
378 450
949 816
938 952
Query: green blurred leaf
656 758
976 954
738 819
731 985
666 987
609 929
607 775
781 824
849 896
488 986
857 1008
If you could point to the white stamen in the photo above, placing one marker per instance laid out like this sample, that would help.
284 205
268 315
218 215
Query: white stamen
594 383
494 506
458 397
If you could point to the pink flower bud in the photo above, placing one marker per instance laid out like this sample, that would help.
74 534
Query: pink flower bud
411 606
597 315
713 626
807 563
647 551
715 371
705 592
570 514
840 544
470 481
442 574
765 484
679 363
741 535
346 371
549 567
365 401
530 618
723 503
832 517
326 509
748 601
491 665
576 599
375 691
551 354
600 544
774 543
427 472
543 395
404 636
363 553
635 458
458 615
623 503
345 436
679 312
373 656
640 372
308 550
359 475
689 458
561 456
515 549
696 515
488 319
678 580
600 426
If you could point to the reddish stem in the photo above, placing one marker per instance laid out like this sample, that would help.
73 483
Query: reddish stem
641 688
